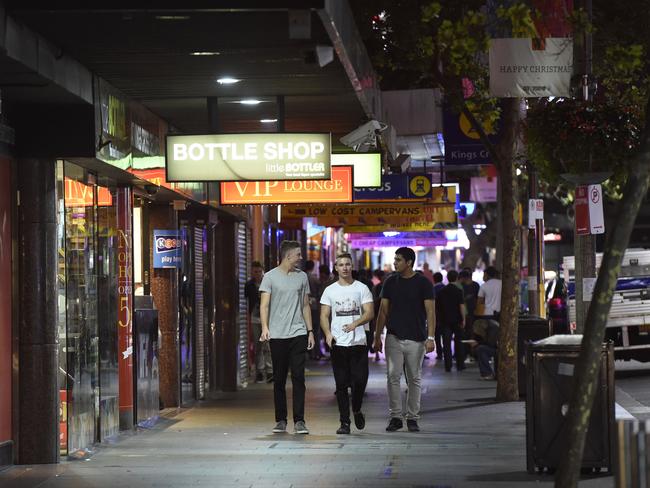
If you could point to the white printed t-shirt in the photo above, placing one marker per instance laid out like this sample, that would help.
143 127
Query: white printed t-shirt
346 307
491 291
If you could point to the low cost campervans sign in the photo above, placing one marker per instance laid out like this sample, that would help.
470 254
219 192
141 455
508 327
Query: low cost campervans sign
248 157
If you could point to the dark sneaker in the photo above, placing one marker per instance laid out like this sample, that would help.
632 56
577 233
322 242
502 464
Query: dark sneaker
359 420
412 425
394 424
344 429
300 427
280 427
259 378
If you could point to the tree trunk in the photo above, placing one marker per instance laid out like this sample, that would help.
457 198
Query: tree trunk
584 251
589 360
512 114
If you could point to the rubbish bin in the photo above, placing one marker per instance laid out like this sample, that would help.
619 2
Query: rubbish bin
550 385
530 328
145 367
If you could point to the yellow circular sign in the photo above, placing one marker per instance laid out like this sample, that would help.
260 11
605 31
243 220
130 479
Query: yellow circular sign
467 129
420 186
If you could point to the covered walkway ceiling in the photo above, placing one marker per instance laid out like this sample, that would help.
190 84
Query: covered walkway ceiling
151 54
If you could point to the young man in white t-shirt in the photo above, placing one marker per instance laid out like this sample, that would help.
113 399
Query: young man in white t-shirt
350 305
489 295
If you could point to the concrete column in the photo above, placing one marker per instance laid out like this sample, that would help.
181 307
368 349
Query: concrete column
38 392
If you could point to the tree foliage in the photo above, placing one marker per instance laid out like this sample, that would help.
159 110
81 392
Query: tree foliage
569 135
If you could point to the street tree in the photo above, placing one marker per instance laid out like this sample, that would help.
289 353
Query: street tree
444 45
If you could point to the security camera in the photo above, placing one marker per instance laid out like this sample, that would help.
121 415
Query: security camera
151 189
364 135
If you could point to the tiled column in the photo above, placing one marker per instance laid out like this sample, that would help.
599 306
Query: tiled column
164 289
38 392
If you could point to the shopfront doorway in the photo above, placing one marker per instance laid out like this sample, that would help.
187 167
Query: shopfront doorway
88 309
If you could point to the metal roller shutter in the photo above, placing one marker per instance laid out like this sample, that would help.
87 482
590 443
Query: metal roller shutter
199 322
243 252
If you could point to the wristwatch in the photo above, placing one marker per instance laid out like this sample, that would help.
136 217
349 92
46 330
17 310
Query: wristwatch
431 338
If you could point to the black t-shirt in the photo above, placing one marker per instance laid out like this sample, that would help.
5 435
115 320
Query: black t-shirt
471 296
252 293
449 300
407 318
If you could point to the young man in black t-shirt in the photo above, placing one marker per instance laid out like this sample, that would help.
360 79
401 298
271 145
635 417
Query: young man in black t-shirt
407 310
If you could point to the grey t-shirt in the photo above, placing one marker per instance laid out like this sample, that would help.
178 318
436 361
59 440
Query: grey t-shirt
288 292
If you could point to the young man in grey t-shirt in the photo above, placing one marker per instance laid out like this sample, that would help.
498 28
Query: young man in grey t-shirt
286 322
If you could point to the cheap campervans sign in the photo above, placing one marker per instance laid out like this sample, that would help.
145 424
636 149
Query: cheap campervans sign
248 157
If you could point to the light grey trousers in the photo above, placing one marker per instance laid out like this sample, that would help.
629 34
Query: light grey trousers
404 356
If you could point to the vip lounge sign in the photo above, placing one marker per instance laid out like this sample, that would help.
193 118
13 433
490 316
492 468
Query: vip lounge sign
248 157
336 190
531 68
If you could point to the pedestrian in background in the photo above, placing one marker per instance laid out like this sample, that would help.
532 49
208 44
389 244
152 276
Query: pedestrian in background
437 286
262 351
451 319
489 295
314 296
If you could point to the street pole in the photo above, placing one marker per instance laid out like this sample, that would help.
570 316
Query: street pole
584 245
533 296
536 292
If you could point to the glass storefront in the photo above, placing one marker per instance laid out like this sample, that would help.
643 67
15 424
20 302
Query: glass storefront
88 305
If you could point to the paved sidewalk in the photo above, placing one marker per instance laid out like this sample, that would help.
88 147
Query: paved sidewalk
467 440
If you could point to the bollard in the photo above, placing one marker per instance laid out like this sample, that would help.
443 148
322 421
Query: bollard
633 462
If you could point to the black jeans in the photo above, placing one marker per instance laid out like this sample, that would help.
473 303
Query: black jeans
459 348
285 354
350 366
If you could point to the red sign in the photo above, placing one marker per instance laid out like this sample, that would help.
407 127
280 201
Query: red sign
582 211
125 299
337 190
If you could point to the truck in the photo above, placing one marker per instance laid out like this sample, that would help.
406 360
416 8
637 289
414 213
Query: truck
628 323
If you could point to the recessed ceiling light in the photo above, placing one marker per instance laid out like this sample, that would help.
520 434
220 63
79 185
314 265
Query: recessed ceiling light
250 101
172 17
227 80
205 53
268 121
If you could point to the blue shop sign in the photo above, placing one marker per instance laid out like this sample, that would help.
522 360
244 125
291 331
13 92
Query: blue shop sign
462 144
396 187
167 249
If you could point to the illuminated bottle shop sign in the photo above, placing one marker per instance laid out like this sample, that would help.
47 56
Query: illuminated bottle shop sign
248 157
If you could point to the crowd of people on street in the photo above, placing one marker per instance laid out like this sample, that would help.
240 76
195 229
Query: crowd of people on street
295 314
